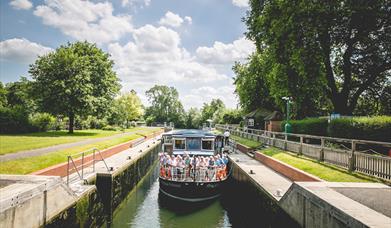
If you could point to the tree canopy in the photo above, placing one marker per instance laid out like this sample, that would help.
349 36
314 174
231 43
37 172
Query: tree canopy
127 107
326 55
75 79
165 106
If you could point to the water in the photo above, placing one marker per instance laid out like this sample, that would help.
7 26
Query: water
147 207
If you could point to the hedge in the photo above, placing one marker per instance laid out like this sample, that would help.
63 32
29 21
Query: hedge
308 126
377 128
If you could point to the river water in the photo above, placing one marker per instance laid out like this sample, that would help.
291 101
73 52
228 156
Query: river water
147 207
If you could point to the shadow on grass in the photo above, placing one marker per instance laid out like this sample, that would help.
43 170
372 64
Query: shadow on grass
54 134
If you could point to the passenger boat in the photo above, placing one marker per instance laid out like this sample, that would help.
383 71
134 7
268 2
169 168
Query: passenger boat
192 183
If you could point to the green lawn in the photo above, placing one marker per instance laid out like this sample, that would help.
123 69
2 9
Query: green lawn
32 164
247 142
323 171
10 143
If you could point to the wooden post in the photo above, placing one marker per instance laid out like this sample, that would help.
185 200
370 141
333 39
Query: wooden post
352 157
321 154
273 140
301 146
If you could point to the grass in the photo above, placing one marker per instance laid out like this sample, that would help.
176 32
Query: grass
247 142
10 143
323 171
32 164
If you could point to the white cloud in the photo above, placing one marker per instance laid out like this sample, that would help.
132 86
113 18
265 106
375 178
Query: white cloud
173 20
21 4
189 20
155 56
198 96
21 50
240 3
221 53
125 3
84 20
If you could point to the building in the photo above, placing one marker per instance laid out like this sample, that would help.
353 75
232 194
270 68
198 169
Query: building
255 119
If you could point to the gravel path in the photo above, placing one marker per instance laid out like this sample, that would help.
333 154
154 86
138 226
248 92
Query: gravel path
50 149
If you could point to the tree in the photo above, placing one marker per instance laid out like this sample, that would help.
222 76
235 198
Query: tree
165 105
76 79
341 45
212 111
127 107
192 118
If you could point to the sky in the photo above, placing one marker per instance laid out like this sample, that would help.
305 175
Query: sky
189 44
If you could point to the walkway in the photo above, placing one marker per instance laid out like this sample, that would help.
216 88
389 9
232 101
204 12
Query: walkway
50 149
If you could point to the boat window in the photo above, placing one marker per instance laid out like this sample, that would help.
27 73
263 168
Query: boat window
179 144
207 144
193 143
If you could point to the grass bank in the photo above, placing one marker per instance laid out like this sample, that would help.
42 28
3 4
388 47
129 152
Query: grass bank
32 164
10 143
322 170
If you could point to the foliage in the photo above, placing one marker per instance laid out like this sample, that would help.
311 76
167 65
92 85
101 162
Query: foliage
14 120
76 79
126 108
212 111
3 95
42 121
321 52
308 126
110 128
232 116
165 106
193 118
376 128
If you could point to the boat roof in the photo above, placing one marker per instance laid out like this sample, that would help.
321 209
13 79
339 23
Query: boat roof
190 133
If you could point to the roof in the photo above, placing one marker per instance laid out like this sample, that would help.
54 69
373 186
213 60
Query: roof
258 113
276 115
190 133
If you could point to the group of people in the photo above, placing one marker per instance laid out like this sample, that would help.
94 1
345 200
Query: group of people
193 168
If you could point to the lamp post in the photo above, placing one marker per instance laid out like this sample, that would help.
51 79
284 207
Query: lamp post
288 126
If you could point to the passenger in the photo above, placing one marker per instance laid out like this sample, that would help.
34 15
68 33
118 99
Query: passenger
187 165
211 167
168 167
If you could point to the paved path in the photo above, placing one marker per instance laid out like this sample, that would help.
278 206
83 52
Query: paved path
50 149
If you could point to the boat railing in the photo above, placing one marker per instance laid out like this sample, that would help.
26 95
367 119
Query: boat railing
197 174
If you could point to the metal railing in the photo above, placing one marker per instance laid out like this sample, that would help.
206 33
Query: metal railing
198 174
78 165
337 151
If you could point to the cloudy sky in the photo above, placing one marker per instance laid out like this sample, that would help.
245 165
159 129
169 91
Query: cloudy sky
188 44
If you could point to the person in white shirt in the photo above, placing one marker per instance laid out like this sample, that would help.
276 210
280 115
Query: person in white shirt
226 137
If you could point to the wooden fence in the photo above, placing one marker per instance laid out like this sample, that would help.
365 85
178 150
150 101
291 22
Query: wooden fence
336 151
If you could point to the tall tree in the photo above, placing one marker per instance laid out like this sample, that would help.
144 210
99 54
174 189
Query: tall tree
76 79
212 111
128 107
192 118
165 105
344 45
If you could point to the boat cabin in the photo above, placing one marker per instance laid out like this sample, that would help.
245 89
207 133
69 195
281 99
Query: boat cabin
192 142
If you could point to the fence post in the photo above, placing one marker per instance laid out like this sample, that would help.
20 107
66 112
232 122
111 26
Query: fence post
273 140
352 157
68 171
286 141
321 154
301 146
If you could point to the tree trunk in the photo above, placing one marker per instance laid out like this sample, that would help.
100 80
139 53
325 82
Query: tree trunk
71 123
341 105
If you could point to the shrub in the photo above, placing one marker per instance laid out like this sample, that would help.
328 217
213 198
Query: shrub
309 126
376 128
14 120
111 128
42 121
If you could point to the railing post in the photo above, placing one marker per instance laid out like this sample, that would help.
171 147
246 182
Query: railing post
301 145
352 157
93 162
274 137
286 141
321 153
68 171
82 166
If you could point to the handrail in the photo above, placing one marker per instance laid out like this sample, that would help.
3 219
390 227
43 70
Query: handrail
83 164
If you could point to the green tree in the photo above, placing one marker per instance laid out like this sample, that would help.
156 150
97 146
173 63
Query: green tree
76 79
127 107
343 46
192 118
3 95
212 111
19 94
165 106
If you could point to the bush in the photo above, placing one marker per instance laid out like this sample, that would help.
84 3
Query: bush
14 120
111 128
42 121
308 126
376 128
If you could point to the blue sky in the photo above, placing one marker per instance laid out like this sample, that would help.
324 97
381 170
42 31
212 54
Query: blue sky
190 44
